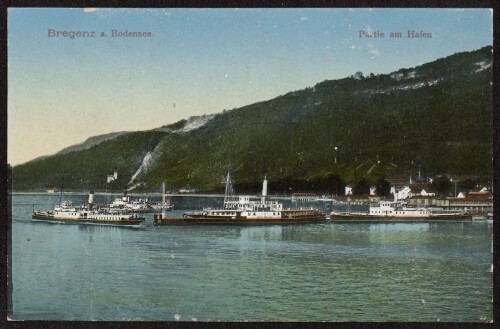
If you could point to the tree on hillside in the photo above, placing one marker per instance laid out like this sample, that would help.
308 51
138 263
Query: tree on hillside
336 185
383 187
466 185
361 187
442 185
358 75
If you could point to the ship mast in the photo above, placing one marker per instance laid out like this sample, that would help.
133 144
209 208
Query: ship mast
229 189
163 200
61 192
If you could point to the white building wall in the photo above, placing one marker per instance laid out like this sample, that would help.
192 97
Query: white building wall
348 190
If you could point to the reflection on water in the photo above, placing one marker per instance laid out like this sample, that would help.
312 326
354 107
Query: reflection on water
313 272
399 227
261 233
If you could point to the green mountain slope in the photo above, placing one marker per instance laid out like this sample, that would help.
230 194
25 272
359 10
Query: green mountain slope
437 116
87 169
91 141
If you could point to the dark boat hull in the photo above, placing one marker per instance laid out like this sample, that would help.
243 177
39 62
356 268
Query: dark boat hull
374 218
44 217
213 220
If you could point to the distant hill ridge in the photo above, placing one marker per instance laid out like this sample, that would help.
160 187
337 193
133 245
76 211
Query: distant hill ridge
436 117
91 141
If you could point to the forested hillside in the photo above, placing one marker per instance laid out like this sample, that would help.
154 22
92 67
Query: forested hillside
437 116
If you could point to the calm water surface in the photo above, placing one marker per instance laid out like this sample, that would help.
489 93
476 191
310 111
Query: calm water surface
322 272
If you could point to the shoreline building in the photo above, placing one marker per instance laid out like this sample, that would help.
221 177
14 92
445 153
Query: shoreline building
476 202
304 196
111 176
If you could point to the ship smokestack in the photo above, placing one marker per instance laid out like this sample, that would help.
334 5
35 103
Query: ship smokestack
124 198
264 189
91 200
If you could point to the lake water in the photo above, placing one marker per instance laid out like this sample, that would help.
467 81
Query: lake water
317 272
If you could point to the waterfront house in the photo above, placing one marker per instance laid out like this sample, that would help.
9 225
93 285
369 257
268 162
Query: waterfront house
419 188
348 190
304 196
472 204
111 176
427 192
479 191
476 205
427 201
396 181
403 193
187 190
360 199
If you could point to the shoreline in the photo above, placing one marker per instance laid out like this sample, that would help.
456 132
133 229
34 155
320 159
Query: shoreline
197 195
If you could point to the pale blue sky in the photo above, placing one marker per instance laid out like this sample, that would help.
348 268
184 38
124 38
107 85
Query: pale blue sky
198 61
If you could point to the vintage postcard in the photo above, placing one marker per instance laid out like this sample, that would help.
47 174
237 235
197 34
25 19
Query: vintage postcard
243 164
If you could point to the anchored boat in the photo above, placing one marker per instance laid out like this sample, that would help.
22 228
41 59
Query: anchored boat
69 213
127 204
245 210
397 211
163 206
